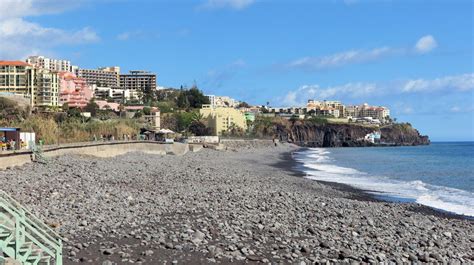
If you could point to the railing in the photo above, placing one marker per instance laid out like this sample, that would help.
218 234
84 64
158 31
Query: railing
24 237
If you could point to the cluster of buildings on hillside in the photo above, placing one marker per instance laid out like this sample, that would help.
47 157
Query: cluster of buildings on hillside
222 117
49 82
335 109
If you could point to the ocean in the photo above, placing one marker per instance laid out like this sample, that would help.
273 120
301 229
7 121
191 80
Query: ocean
440 175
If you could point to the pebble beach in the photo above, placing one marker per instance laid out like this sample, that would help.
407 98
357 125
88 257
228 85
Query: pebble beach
241 205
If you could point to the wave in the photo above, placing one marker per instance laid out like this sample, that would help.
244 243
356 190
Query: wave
319 166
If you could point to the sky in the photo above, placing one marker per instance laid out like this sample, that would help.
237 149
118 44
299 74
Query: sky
415 57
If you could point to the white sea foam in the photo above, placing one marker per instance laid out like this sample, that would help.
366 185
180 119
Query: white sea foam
317 166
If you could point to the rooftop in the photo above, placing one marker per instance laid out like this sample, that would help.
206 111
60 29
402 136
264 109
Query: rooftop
14 63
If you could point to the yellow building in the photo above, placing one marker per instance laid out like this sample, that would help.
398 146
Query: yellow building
222 119
17 78
40 86
46 88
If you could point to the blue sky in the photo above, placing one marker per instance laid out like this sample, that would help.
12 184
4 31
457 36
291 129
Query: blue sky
416 57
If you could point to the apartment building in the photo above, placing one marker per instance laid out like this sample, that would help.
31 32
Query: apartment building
74 90
222 101
223 119
104 76
137 82
365 110
118 95
50 64
17 78
40 86
46 88
326 107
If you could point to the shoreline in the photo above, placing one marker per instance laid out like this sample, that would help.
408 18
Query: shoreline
288 163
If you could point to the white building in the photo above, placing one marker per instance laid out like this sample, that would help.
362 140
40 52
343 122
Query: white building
365 110
50 64
222 101
117 94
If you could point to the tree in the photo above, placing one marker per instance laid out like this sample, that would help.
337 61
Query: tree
192 98
138 114
148 94
183 101
197 116
73 113
199 129
165 106
183 120
243 104
91 107
146 110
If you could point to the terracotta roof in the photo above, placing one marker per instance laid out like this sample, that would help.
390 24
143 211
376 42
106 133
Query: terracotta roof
15 63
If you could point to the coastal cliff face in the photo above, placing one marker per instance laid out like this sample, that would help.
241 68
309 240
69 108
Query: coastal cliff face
347 135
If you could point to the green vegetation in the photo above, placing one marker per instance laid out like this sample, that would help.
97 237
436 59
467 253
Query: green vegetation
318 120
192 98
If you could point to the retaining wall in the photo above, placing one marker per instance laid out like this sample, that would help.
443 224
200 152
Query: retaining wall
95 149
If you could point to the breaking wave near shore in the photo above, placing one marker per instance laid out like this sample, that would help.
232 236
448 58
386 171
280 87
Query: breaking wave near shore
403 179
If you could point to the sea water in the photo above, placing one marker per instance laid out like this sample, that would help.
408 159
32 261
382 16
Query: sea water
440 175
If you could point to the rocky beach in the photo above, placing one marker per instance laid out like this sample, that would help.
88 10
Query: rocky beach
240 205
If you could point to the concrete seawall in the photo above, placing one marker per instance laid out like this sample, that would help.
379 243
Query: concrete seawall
108 149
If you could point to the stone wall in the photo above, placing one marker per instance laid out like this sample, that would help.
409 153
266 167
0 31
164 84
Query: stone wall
96 149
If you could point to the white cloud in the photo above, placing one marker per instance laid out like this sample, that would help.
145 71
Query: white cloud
362 90
217 77
20 38
356 56
137 34
305 92
124 36
463 82
23 8
340 59
455 109
233 4
426 44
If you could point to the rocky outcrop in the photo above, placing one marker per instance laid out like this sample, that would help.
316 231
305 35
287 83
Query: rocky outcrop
348 135
403 134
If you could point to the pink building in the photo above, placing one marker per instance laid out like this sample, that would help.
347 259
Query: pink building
74 90
107 105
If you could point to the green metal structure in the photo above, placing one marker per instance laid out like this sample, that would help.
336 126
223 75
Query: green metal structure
25 238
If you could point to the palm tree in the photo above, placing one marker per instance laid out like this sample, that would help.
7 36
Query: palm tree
197 116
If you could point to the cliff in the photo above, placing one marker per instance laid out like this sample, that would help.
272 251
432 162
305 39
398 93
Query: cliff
348 135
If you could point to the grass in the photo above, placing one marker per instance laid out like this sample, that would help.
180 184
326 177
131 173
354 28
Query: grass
74 130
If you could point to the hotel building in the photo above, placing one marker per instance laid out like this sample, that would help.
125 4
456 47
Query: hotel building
17 77
137 82
46 84
376 112
222 101
40 86
222 119
50 64
326 107
74 90
104 76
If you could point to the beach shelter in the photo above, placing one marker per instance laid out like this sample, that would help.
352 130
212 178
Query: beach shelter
9 133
